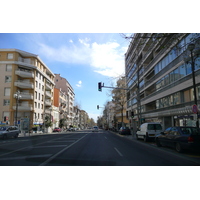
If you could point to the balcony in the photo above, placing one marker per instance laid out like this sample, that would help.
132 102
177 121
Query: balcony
25 95
48 94
24 84
48 86
26 60
24 74
47 103
24 107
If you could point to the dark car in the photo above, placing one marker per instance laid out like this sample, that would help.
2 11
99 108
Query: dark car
57 129
180 138
124 131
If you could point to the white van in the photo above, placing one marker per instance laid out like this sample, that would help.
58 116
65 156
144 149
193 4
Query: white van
149 131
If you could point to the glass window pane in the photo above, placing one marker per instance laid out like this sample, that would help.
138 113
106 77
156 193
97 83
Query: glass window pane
182 71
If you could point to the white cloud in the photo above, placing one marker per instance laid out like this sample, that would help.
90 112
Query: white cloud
71 41
79 84
106 59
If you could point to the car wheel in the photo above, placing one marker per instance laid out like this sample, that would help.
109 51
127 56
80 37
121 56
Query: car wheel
4 136
145 138
158 143
137 137
178 147
16 136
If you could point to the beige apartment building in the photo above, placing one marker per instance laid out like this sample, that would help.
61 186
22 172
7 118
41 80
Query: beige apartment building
159 77
67 101
26 74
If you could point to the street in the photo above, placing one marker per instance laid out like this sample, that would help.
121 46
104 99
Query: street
87 148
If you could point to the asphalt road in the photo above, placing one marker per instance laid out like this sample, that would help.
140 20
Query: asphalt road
85 148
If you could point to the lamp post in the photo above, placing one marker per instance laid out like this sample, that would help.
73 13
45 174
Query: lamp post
17 97
191 47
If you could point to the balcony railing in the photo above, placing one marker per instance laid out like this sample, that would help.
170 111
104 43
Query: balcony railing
25 74
26 60
48 94
48 87
24 84
25 95
23 107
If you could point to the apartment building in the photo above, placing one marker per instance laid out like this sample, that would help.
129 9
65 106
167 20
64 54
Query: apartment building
26 88
67 90
160 79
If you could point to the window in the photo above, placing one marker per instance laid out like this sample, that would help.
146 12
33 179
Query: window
35 95
6 102
188 68
8 68
7 92
182 71
36 84
10 56
7 79
176 74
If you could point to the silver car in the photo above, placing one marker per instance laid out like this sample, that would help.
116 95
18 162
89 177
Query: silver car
9 131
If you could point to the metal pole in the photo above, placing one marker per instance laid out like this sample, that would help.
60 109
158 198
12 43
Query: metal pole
16 110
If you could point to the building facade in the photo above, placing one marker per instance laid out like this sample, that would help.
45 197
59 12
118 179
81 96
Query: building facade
26 88
160 81
67 97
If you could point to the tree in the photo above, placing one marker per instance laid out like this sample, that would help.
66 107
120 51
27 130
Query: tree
48 122
119 96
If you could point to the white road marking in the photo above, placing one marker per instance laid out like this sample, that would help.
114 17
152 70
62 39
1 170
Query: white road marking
57 154
51 146
118 151
25 157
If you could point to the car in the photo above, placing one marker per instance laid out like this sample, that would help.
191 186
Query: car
57 129
9 131
179 137
149 131
95 129
124 131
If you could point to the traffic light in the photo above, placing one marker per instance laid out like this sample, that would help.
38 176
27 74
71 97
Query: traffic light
98 107
132 114
99 87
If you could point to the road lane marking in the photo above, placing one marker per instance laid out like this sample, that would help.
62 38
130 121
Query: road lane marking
50 146
57 154
25 157
118 152
28 147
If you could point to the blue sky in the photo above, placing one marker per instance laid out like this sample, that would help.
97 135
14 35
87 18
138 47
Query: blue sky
83 59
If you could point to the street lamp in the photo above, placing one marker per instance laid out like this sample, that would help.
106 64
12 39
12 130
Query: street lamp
17 97
194 53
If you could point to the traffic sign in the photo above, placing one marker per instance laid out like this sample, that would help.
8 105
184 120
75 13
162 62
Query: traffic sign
195 109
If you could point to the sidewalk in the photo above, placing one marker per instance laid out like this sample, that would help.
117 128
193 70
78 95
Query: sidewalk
130 137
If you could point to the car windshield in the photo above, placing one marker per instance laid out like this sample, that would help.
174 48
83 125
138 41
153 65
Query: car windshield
154 127
190 130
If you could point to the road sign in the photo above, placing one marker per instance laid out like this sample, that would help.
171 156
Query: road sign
195 109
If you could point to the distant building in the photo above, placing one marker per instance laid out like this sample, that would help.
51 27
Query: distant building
66 99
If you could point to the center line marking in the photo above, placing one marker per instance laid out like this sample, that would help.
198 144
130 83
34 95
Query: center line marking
118 151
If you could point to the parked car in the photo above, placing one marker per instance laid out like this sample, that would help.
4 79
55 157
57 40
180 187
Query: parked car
9 131
95 129
57 129
180 138
70 129
124 131
149 131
